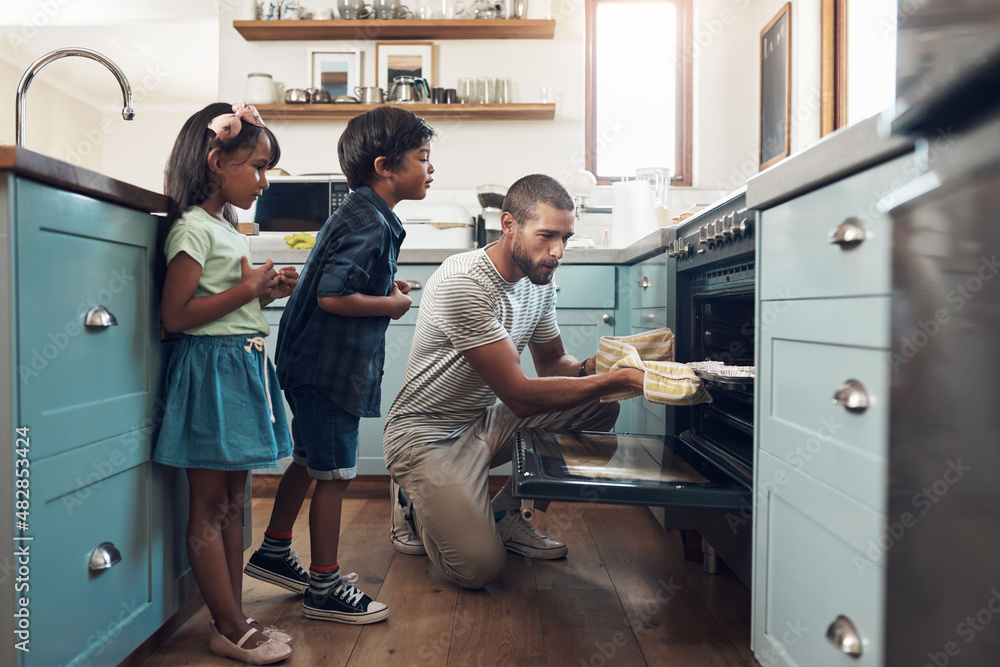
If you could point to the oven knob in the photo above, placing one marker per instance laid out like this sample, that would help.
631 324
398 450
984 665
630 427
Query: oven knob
728 226
703 237
745 228
686 250
719 236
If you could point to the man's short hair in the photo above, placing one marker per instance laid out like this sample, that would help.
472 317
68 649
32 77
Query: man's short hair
382 132
524 196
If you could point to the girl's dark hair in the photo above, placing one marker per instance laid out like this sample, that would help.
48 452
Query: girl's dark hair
382 132
522 199
187 180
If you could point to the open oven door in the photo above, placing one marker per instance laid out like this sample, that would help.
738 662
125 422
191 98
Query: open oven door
616 468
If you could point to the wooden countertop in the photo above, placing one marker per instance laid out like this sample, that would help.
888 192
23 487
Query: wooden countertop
65 176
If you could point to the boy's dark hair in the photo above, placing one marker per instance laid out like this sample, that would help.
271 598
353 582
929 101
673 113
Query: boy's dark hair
523 197
383 131
187 180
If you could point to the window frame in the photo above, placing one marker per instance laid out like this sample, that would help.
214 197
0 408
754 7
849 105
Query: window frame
683 113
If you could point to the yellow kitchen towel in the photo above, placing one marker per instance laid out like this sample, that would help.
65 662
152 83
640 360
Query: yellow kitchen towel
666 382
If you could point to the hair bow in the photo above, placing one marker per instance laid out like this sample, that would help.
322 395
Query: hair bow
228 125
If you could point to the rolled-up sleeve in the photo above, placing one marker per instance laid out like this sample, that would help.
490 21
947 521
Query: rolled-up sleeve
347 266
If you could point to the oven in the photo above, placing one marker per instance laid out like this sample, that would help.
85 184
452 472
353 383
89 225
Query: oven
701 470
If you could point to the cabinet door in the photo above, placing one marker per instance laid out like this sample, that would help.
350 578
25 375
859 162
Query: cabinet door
818 556
80 384
101 494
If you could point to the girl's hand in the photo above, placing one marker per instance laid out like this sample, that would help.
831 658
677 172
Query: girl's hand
259 279
403 286
399 303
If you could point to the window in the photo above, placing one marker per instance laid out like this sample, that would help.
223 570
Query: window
638 88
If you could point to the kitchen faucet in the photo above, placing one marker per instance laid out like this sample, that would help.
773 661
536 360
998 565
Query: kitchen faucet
22 87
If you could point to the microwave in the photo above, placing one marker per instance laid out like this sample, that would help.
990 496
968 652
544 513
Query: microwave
297 203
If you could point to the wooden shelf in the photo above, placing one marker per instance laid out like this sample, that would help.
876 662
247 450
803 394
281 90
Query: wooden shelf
429 111
255 31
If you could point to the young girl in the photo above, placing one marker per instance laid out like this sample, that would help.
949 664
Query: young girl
224 414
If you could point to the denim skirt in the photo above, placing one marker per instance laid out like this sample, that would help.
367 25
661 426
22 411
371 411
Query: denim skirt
223 407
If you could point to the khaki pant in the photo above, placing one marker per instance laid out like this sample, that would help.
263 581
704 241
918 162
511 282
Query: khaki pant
446 483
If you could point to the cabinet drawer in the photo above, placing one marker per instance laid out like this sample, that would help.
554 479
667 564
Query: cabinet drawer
90 496
799 421
417 275
79 383
647 319
585 286
647 283
817 558
796 256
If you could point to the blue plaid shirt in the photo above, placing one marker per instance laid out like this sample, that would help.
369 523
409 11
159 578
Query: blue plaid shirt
356 251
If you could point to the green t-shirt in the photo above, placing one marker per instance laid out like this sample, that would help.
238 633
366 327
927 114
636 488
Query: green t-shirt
218 248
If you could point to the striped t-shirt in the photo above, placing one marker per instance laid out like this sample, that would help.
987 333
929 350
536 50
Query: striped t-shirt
466 304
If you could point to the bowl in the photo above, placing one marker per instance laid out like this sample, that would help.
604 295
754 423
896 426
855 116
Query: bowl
296 96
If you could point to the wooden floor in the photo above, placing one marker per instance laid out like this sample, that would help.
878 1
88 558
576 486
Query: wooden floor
624 596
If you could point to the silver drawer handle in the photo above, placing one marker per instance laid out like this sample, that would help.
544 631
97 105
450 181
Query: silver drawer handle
414 284
848 234
104 556
851 395
99 317
644 283
607 319
844 636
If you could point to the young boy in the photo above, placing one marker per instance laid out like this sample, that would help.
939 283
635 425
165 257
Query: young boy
330 352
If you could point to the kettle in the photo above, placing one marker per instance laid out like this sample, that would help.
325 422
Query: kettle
409 89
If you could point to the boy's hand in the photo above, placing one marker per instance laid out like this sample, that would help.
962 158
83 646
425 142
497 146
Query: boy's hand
403 286
399 303
284 283
258 279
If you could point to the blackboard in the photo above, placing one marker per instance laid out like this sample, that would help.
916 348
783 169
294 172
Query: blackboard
775 88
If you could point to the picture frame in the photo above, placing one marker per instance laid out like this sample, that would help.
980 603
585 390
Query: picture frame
776 88
337 71
394 59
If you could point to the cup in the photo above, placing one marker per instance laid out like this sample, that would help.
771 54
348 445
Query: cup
425 9
485 90
370 94
450 96
504 93
270 10
466 91
449 9
324 14
547 94
290 10
437 95
390 9
353 9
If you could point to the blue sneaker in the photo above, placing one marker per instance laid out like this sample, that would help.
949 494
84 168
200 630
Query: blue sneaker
285 571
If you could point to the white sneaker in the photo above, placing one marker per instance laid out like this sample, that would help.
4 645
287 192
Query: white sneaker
522 538
404 539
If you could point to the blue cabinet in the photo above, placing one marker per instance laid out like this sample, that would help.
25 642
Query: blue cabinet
82 397
822 422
